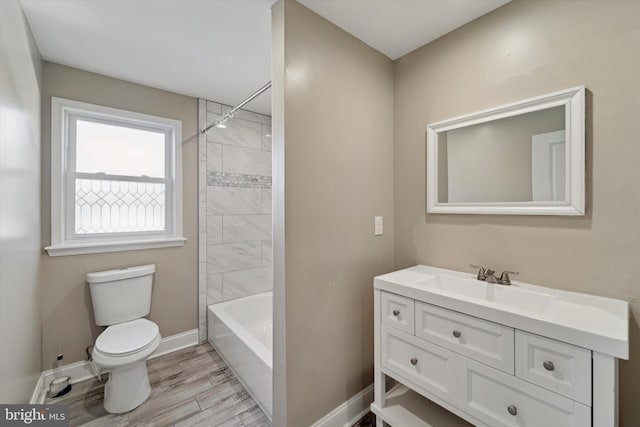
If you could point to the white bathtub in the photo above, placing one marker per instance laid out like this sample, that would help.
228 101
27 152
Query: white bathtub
241 331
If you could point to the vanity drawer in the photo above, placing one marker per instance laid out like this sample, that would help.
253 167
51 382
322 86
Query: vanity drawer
431 367
397 311
484 341
501 400
554 365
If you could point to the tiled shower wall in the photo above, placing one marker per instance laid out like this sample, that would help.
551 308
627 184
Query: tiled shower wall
234 207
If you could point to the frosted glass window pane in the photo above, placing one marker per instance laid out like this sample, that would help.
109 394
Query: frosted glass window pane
104 206
119 150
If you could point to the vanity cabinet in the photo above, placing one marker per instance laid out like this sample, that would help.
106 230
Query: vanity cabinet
556 366
497 399
397 311
488 373
478 339
429 366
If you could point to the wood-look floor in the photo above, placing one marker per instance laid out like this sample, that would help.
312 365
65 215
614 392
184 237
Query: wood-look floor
189 387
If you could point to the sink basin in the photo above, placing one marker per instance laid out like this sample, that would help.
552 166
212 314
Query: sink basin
508 296
588 321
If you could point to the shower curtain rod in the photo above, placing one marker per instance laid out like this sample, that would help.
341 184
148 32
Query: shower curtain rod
231 112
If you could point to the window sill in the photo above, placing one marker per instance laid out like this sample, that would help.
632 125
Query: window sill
94 248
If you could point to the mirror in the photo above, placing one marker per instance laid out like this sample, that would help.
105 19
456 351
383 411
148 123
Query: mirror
525 158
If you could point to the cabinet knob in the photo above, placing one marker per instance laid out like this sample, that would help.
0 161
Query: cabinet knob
414 361
396 313
457 334
548 365
512 410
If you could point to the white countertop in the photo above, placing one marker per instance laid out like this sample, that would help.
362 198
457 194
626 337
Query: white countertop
597 323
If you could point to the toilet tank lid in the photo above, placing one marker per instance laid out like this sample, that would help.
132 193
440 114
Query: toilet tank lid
121 273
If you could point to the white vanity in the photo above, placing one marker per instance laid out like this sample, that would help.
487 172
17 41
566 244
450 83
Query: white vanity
494 355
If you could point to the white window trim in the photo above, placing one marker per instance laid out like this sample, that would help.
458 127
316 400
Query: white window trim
60 244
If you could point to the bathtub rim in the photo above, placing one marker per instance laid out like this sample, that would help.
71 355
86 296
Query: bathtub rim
219 310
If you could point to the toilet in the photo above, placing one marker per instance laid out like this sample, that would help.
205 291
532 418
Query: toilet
121 298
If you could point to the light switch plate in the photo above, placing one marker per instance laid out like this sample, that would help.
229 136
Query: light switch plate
377 225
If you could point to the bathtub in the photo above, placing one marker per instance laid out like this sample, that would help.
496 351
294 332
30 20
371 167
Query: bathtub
241 331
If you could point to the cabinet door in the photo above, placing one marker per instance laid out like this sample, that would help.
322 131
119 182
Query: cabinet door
501 400
554 365
479 339
432 368
397 311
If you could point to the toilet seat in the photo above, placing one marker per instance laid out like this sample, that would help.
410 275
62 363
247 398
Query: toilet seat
125 339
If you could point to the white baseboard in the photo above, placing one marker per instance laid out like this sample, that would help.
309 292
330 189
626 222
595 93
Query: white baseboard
349 412
80 371
176 342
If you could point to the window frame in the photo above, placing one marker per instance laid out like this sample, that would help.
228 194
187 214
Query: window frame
65 114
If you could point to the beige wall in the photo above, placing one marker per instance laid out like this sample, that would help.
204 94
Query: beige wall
67 315
524 49
20 293
336 134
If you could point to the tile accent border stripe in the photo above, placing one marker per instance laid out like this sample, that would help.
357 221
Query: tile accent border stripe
80 371
222 179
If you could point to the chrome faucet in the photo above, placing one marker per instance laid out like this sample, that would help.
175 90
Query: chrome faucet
489 276
504 278
482 272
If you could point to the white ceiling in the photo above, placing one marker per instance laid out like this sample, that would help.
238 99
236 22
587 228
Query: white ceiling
396 27
220 49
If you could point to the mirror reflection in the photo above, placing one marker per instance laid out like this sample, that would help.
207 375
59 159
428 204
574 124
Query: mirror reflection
515 159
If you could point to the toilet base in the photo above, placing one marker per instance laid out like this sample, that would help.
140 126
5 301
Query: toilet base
127 388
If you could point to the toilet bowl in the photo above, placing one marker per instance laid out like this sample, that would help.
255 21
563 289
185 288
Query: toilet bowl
121 299
123 349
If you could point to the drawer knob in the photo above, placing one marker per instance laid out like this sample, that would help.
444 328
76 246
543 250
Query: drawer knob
457 334
512 410
548 365
414 361
396 313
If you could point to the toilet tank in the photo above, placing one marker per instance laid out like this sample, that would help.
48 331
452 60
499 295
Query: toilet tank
121 295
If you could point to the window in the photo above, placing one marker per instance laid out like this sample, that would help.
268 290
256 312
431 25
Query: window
115 180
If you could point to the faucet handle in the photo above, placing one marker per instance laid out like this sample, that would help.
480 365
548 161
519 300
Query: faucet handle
476 266
504 277
481 271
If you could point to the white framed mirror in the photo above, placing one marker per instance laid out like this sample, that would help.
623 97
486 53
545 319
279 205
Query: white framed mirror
524 158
